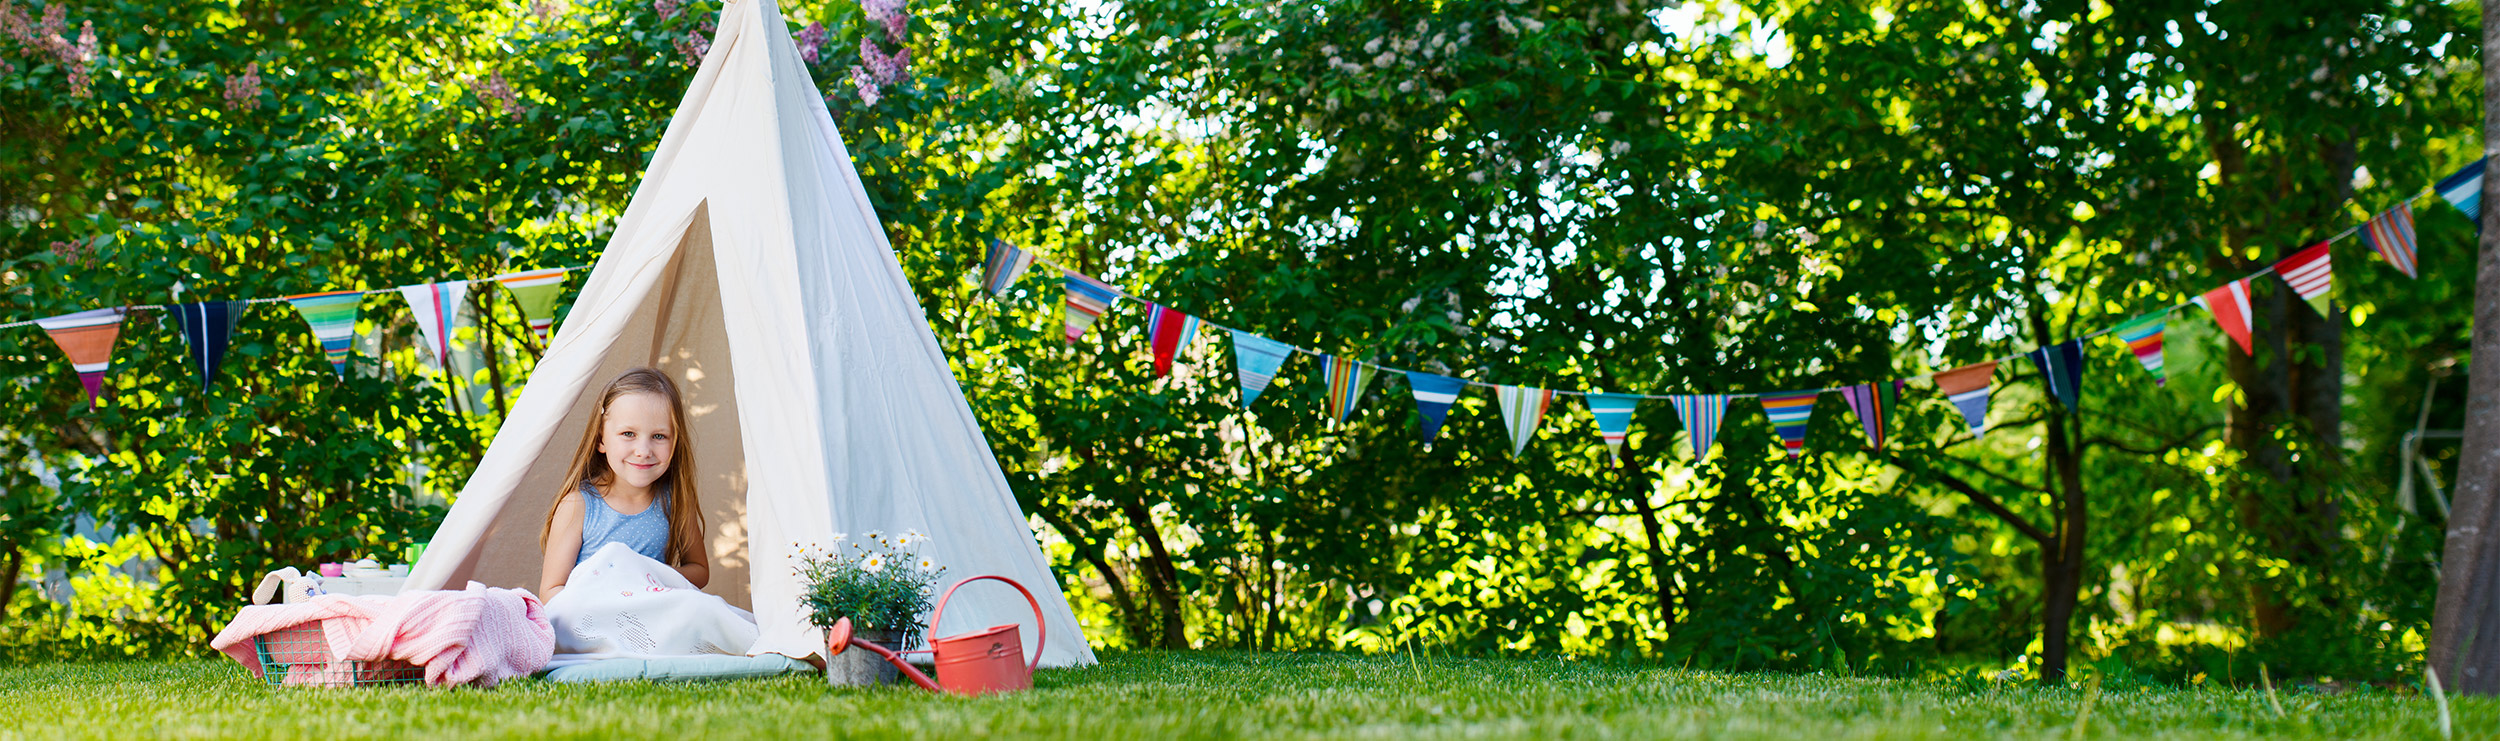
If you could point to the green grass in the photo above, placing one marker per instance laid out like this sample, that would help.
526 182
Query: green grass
1202 695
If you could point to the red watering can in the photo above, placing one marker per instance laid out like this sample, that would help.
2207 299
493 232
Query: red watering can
974 663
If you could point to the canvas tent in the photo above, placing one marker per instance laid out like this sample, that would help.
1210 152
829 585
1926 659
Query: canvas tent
750 267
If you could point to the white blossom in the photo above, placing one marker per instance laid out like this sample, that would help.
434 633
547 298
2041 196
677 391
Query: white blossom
1476 177
1604 117
1407 86
1373 47
1761 229
1618 148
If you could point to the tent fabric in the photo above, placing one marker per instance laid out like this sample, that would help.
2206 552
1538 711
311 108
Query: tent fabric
750 267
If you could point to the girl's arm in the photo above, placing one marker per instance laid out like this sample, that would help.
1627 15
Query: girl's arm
696 570
564 545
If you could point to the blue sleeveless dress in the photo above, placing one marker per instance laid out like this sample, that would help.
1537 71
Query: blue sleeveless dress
646 532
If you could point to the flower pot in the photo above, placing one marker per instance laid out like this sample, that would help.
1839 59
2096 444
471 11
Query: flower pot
860 668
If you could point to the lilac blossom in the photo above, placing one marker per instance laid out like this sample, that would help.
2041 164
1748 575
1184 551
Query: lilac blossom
888 69
80 59
867 87
811 41
694 46
668 8
891 14
545 9
243 91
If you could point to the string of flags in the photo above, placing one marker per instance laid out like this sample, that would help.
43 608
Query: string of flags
207 327
2308 272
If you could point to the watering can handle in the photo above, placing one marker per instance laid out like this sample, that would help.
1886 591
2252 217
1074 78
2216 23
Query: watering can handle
1041 625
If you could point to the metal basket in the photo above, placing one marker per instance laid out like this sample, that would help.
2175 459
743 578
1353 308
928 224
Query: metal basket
300 657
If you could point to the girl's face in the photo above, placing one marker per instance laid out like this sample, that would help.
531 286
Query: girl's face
638 439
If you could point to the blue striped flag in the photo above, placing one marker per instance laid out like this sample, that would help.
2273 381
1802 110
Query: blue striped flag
2062 367
1087 300
1614 419
1433 397
2464 190
1256 359
1701 414
206 328
1967 387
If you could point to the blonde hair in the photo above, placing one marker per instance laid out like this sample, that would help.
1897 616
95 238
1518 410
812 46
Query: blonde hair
684 506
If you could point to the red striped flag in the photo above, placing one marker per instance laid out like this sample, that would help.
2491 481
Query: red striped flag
2311 273
2229 305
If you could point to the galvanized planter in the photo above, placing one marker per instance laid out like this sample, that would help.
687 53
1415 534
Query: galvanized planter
862 668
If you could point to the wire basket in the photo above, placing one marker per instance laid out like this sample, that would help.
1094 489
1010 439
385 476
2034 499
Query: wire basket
300 657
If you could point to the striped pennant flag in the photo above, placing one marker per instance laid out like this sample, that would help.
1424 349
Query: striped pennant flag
1701 414
87 338
1614 419
2143 337
2464 190
1433 397
2061 365
1168 332
1790 411
1873 403
1346 379
2311 273
1967 387
333 319
2392 235
1087 300
1522 409
1256 359
437 306
536 291
207 328
2229 305
1005 263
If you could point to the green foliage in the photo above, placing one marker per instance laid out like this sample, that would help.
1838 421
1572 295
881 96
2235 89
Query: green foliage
880 583
1647 196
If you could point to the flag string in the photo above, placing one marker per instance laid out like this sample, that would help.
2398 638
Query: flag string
164 307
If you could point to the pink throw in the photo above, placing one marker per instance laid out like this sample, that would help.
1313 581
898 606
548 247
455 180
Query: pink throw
475 636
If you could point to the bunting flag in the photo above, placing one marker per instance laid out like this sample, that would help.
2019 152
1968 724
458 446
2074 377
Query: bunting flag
436 306
1790 410
536 291
1256 359
1346 379
333 319
2464 190
2229 305
1169 332
2392 235
2143 337
2062 367
87 338
1433 397
1967 387
1701 414
1614 419
1087 300
207 327
2311 273
1873 403
1006 263
1522 409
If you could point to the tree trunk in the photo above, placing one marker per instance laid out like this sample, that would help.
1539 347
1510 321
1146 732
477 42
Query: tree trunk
1661 576
2465 626
8 580
1160 574
2061 559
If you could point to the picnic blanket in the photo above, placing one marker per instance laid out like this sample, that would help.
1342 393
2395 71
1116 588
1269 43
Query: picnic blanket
619 604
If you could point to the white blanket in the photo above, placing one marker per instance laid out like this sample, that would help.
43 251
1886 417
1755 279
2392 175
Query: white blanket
619 604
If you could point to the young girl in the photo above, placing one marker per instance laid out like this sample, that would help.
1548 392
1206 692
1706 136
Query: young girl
632 483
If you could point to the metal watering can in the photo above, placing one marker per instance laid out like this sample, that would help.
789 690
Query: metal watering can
975 663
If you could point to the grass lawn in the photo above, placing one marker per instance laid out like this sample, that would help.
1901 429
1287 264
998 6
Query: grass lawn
1195 695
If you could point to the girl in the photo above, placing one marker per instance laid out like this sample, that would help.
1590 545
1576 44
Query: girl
632 483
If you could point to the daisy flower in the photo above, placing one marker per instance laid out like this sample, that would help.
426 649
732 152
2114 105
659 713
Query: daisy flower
927 565
874 563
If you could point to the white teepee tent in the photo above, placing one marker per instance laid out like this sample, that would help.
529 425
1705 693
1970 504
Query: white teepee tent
750 267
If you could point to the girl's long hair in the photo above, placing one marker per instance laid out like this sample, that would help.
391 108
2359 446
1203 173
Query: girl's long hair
685 508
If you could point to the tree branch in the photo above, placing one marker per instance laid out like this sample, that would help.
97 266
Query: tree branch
1980 498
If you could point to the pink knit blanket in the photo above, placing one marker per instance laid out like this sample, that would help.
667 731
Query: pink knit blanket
474 636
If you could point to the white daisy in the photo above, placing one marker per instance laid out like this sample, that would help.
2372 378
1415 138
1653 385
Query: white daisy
927 564
874 563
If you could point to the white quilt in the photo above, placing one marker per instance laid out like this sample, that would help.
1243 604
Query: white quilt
619 604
